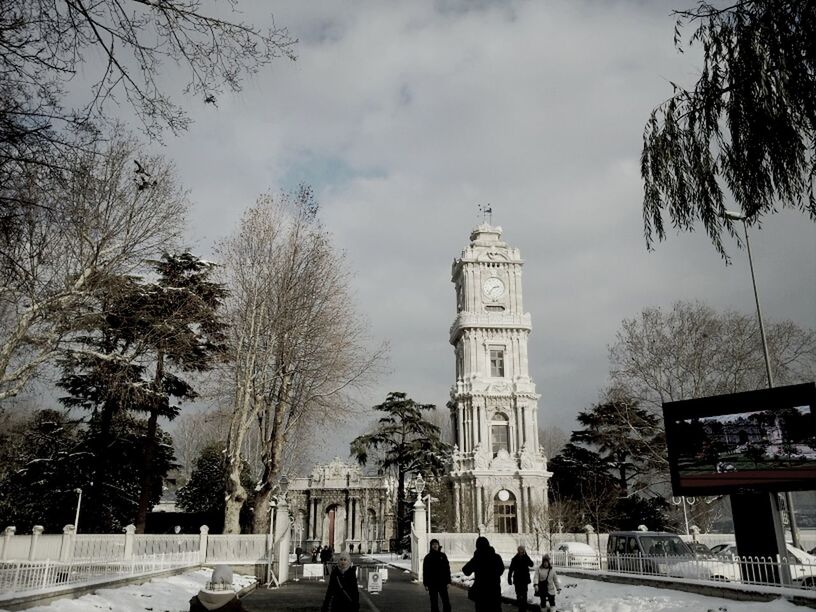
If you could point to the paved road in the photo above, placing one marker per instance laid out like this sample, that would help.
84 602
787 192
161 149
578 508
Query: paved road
399 593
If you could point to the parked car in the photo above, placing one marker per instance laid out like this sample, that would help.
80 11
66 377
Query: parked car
663 554
700 550
577 554
802 564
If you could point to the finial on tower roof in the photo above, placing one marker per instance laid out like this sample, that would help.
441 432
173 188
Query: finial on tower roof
486 211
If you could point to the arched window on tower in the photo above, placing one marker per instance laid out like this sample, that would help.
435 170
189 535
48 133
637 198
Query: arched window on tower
505 515
500 433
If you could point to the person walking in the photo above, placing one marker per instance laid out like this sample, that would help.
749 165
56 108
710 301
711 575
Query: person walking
519 575
548 584
342 594
325 558
436 576
487 567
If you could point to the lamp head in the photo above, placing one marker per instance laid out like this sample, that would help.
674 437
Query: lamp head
419 484
283 483
733 216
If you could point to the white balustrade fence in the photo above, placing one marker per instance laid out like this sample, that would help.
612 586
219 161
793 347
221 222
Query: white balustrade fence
457 546
20 577
98 547
146 545
230 548
109 548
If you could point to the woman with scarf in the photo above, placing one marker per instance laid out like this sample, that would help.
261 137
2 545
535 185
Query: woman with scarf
548 584
342 594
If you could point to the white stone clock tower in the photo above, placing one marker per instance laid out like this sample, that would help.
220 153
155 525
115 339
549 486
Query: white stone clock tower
499 474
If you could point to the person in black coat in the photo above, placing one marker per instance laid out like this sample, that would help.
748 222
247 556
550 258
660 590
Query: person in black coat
342 594
488 568
325 558
519 574
436 576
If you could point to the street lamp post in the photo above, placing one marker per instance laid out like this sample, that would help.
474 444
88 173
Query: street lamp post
735 216
684 500
78 491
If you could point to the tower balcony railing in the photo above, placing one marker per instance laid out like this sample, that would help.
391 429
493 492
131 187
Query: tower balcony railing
512 320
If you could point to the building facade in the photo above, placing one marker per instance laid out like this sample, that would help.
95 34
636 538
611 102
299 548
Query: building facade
338 506
499 474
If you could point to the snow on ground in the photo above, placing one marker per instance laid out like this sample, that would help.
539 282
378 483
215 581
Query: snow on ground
173 593
391 559
167 594
584 595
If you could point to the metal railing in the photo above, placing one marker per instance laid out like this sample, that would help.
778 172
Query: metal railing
766 572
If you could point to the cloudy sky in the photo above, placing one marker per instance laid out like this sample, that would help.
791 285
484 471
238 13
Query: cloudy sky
405 116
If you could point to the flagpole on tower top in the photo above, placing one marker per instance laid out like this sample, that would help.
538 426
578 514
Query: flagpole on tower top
487 212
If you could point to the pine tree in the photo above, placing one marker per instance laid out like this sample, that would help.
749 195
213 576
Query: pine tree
405 442
205 490
624 436
169 324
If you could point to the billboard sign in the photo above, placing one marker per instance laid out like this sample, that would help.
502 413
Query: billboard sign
743 442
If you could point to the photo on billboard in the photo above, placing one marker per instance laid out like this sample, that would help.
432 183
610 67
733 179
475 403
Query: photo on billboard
755 441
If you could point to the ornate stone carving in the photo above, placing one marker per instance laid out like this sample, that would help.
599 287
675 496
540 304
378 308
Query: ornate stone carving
481 458
503 462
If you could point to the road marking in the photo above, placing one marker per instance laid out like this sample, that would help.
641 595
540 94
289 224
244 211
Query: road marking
365 596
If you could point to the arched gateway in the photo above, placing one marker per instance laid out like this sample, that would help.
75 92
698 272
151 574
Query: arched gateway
339 507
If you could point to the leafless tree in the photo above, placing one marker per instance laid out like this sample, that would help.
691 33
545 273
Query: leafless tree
298 347
552 440
121 47
195 430
98 219
694 351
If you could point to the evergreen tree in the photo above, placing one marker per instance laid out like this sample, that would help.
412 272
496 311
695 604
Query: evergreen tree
183 330
171 323
49 456
205 491
582 477
623 434
44 460
405 442
113 494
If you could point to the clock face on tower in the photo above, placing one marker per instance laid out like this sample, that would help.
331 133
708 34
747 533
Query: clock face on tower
493 288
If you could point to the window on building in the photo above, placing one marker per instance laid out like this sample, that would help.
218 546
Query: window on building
497 362
500 432
504 512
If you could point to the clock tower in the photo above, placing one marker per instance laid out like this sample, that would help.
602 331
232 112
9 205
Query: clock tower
499 474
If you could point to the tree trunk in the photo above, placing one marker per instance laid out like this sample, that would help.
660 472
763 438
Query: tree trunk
400 505
236 495
148 477
149 454
260 520
272 456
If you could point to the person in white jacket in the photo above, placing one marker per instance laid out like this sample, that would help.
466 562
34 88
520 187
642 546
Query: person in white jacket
548 583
